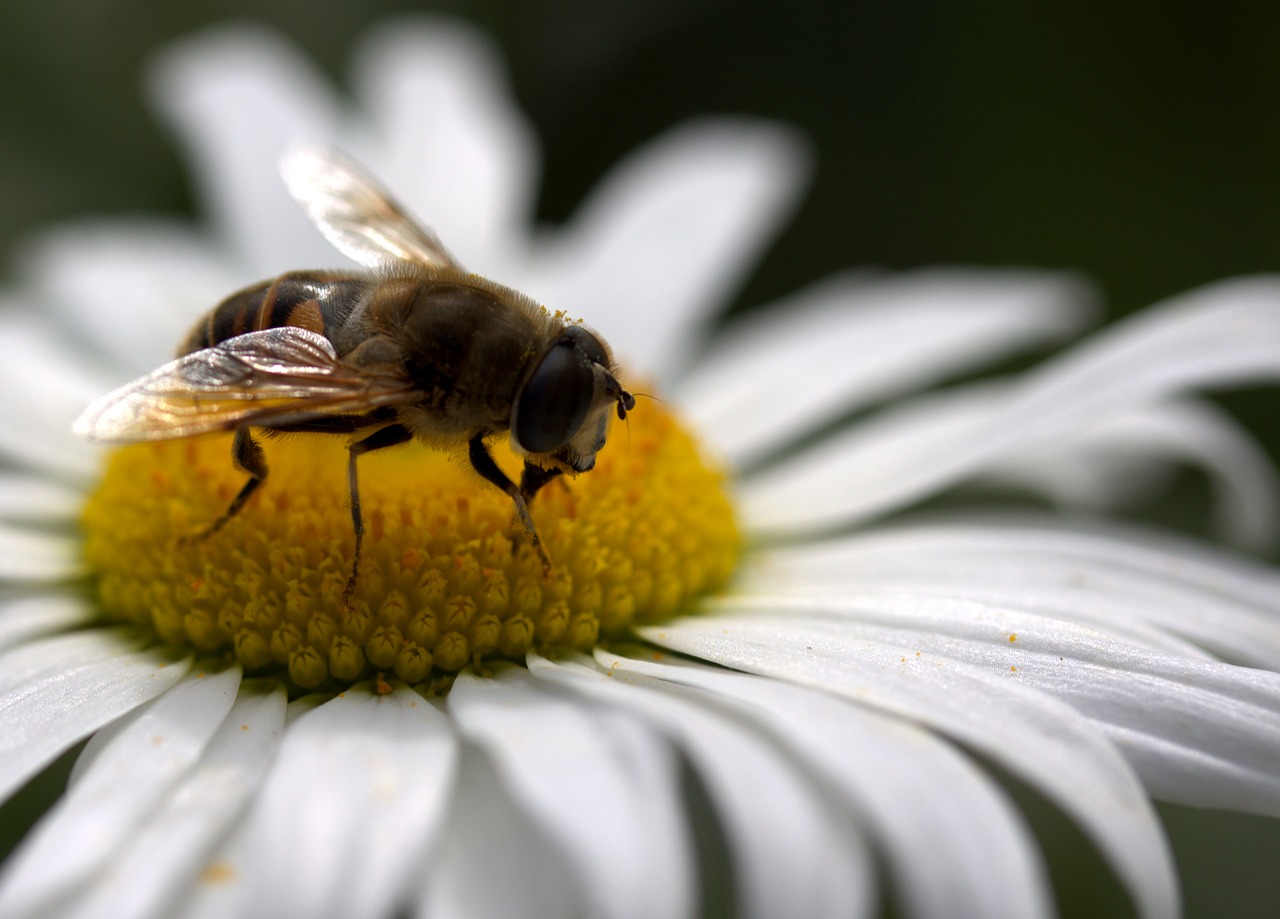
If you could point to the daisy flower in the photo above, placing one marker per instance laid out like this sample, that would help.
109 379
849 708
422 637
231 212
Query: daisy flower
760 681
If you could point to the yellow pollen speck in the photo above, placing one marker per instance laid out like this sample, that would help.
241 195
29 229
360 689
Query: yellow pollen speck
1013 636
218 873
447 579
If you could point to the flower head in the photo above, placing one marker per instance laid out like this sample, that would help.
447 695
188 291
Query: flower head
843 698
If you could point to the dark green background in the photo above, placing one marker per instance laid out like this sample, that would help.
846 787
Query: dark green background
1137 142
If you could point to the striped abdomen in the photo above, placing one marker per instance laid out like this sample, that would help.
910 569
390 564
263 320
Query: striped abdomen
317 300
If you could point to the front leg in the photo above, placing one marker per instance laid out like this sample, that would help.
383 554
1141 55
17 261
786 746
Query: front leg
482 462
533 478
380 439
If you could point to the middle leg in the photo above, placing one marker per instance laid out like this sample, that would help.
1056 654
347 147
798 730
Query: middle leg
382 438
482 462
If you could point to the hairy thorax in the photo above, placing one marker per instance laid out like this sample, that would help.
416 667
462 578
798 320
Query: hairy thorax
468 351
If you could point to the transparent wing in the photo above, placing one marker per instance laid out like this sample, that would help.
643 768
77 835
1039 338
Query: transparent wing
273 377
357 214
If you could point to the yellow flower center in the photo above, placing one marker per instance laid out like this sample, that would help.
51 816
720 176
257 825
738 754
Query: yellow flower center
446 579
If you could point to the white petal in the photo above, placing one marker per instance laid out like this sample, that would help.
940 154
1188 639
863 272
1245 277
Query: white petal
1199 733
457 150
140 759
239 95
35 659
600 785
350 807
32 441
854 340
1118 462
1037 738
221 892
795 857
490 837
28 499
132 288
44 715
33 556
1225 334
669 235
29 616
172 855
43 363
35 430
1109 579
891 460
1225 720
941 823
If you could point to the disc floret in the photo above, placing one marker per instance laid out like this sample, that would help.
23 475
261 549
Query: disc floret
445 581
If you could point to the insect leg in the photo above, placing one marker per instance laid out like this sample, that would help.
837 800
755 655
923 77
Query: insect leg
482 462
248 457
389 436
533 478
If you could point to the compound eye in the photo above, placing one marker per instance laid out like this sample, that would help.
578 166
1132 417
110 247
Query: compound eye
589 344
555 401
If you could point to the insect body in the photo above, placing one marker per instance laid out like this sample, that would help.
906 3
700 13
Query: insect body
413 348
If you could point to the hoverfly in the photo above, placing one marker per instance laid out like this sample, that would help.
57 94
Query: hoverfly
412 347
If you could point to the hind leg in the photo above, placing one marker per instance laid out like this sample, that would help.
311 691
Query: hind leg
247 456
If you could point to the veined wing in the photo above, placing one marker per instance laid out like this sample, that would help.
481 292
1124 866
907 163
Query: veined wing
356 214
275 376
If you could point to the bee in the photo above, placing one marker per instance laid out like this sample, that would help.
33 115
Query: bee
413 347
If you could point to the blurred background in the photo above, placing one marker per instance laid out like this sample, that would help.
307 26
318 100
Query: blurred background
1138 143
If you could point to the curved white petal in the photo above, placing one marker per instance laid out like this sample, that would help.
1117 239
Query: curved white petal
350 807
40 444
1111 579
490 837
854 340
30 616
1226 719
103 741
35 659
44 715
172 855
1035 737
221 891
31 499
1228 333
139 761
238 96
893 459
1199 733
31 556
132 288
669 234
797 856
601 786
1118 462
453 146
46 369
941 823
35 430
